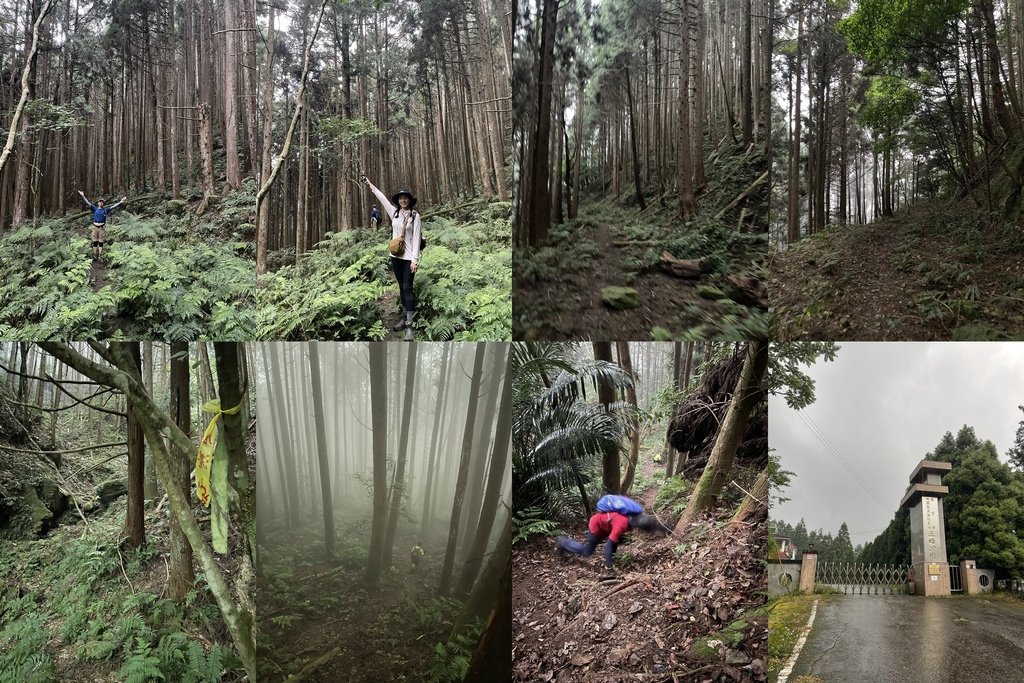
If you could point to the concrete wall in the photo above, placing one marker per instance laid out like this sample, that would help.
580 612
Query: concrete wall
783 577
991 580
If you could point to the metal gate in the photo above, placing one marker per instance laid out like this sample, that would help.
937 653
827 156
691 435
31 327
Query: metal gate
863 579
955 584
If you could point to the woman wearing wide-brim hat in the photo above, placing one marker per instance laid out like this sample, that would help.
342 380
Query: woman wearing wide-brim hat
405 249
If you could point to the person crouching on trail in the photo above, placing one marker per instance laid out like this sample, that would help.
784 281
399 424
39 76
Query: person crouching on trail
405 245
614 518
99 221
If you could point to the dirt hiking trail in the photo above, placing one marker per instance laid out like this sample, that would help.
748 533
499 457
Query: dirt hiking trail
932 272
693 615
562 299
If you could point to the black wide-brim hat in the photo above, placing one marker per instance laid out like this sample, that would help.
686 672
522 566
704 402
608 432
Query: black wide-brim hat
410 195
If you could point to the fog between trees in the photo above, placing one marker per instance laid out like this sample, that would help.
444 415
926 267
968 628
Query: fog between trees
368 452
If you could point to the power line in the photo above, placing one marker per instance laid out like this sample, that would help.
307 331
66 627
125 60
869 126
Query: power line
831 448
820 435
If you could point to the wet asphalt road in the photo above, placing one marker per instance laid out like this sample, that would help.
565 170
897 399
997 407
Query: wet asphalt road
904 638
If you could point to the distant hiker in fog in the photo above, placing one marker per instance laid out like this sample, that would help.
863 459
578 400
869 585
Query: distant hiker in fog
415 554
406 243
99 221
615 516
374 217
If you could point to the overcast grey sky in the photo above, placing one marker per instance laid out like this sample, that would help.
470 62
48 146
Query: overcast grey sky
884 406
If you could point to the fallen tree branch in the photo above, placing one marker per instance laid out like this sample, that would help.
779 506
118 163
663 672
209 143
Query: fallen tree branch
275 166
63 452
120 561
496 99
99 464
57 410
452 209
49 378
622 586
87 405
743 195
315 664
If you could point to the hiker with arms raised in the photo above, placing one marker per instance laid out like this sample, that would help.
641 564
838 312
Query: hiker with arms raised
405 246
615 516
99 221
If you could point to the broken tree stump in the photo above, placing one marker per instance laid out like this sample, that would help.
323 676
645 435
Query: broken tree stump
749 291
685 268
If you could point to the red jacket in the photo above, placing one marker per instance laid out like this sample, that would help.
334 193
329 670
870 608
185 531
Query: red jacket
609 525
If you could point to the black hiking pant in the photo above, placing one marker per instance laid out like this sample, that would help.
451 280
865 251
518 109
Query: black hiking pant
404 276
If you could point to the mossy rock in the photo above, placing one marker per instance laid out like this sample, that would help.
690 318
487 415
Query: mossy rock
175 207
111 490
710 292
620 298
706 649
49 494
37 514
721 646
660 334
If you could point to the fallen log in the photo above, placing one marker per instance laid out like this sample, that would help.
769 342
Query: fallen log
684 268
636 243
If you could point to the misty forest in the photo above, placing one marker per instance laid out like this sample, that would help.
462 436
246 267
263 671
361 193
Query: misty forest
110 568
682 430
900 189
383 524
644 134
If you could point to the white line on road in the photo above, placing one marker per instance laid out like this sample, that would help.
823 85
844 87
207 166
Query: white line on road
784 674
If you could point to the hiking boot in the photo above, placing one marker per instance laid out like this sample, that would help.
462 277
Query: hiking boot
408 326
401 324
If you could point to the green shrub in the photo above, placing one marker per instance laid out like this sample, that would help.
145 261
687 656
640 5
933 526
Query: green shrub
451 659
23 655
175 277
463 285
530 522
672 495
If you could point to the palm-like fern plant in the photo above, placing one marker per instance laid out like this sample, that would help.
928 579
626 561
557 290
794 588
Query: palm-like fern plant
558 432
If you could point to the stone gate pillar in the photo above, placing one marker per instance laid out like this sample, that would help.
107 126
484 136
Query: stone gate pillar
928 527
808 568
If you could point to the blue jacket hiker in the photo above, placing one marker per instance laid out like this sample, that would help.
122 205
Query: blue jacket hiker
614 518
99 221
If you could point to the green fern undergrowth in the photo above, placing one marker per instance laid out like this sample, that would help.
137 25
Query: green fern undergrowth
167 274
73 609
344 289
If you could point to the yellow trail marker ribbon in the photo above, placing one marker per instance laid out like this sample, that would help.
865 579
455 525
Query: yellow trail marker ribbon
207 447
